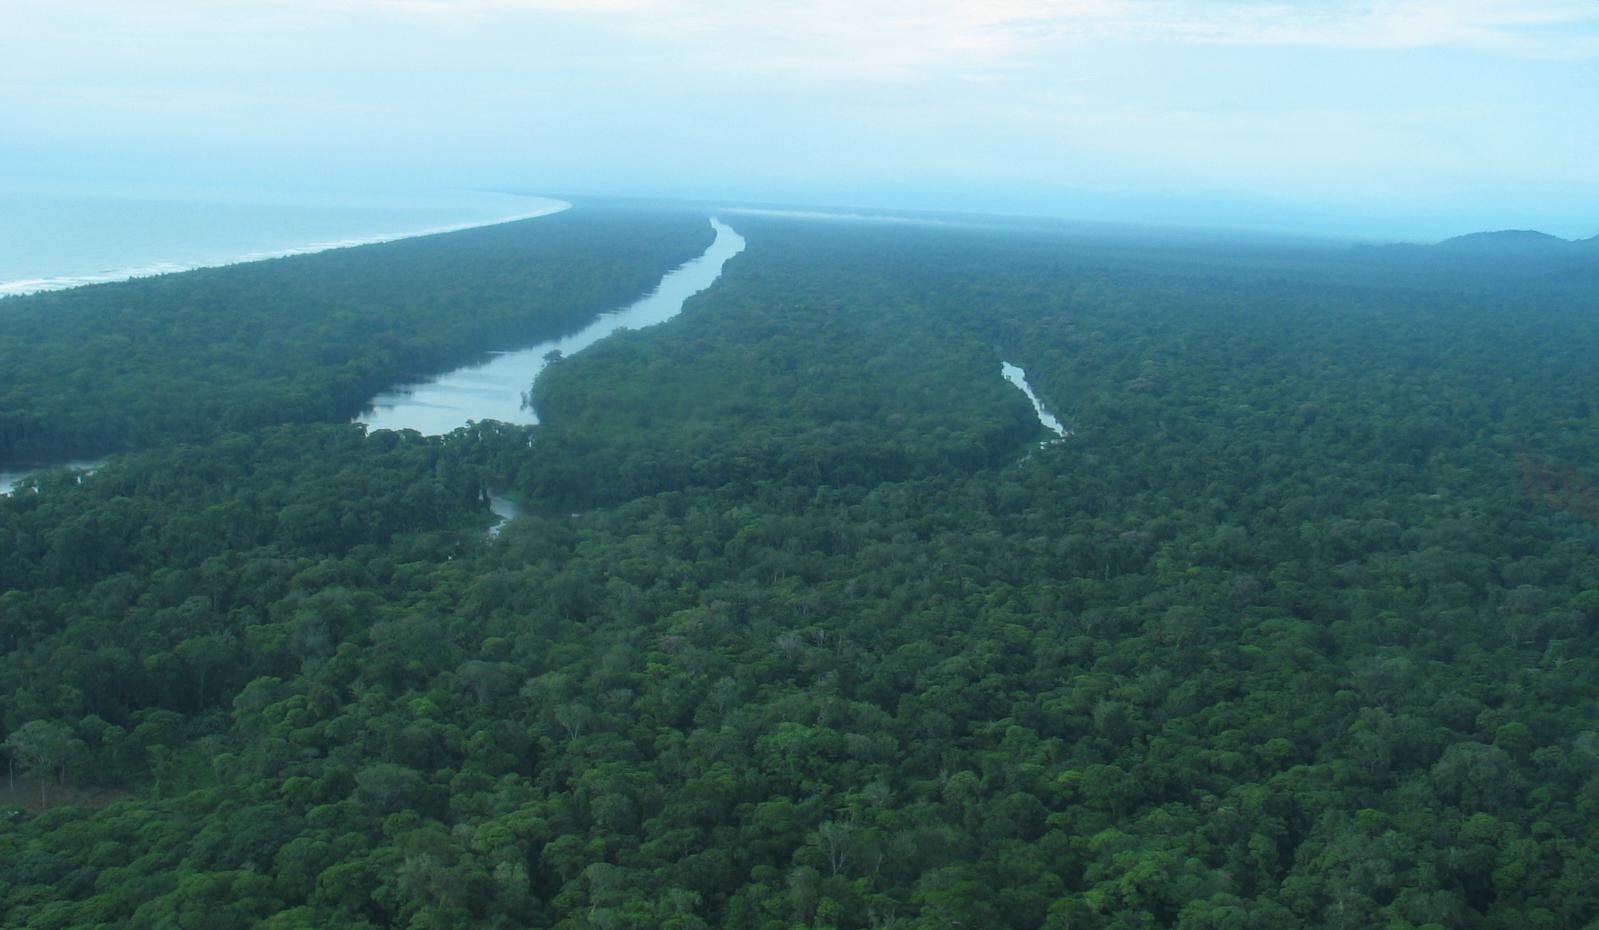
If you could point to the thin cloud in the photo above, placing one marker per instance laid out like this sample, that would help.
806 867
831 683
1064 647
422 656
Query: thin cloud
1526 27
899 38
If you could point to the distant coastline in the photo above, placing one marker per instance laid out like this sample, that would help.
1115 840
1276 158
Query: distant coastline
545 206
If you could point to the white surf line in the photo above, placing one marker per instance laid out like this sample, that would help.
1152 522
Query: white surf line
1015 375
551 206
36 285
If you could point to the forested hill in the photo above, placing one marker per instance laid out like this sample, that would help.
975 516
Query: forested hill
1508 241
312 337
1537 258
804 628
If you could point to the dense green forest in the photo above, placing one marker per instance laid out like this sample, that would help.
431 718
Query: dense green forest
185 357
804 628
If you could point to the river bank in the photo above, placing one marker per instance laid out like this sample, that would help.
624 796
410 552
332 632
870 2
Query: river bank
499 388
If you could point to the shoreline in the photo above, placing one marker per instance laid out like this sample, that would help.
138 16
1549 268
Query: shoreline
23 287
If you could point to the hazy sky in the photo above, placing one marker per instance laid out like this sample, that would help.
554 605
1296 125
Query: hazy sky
1407 118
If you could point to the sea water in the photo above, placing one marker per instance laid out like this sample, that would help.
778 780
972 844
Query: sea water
56 234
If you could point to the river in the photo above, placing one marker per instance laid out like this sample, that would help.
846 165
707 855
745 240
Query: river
497 389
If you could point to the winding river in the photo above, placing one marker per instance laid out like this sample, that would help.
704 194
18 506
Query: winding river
496 389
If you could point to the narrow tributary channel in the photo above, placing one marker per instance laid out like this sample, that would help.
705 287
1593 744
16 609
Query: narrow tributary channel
1015 375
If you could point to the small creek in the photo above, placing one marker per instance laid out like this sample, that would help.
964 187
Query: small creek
504 508
10 479
1015 375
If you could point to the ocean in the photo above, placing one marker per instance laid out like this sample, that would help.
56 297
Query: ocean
56 234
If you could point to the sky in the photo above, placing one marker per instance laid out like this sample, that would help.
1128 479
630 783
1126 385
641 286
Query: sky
1406 119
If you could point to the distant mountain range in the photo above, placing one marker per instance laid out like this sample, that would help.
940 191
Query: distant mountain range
1512 251
1517 242
1516 246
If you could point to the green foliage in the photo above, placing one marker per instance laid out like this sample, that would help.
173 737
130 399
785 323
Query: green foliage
1296 631
185 357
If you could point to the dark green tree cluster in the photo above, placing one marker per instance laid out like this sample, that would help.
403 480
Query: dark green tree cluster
804 629
138 600
779 374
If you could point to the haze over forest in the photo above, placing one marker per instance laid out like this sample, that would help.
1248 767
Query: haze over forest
686 464
1401 119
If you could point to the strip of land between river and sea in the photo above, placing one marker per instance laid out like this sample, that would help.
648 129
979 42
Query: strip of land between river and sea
24 286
